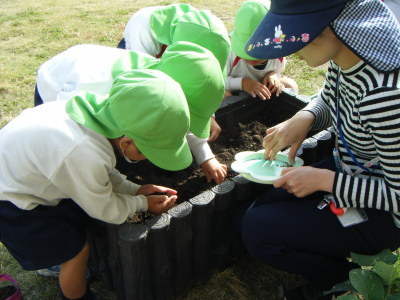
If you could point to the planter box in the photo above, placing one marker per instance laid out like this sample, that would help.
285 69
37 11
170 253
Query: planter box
164 257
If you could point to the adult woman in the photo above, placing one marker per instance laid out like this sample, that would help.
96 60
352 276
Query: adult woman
361 99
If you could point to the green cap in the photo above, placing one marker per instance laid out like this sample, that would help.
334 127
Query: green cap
146 106
195 69
163 20
247 19
133 60
200 27
198 72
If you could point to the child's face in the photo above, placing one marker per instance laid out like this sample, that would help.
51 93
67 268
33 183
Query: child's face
255 62
322 49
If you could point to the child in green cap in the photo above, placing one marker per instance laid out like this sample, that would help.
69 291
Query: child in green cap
152 29
257 77
93 67
57 169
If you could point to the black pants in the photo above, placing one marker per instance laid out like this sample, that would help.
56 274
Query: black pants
37 100
121 44
293 235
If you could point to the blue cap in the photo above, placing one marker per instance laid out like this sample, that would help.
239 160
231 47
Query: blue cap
290 25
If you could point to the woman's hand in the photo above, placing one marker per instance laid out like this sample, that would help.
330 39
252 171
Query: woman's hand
290 133
303 181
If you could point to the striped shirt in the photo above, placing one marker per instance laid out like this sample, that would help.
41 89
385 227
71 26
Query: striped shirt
369 106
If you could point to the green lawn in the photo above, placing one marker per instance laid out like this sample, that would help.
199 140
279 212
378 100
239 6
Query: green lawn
31 32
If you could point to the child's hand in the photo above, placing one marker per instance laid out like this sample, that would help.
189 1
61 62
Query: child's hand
255 88
158 204
227 94
272 81
149 189
213 170
215 130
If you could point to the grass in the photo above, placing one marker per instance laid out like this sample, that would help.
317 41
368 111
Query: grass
33 31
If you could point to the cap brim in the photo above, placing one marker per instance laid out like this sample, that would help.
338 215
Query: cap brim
237 47
199 126
171 159
281 35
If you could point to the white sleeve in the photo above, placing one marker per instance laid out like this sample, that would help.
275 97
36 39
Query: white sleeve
200 148
85 177
280 65
121 184
232 83
138 35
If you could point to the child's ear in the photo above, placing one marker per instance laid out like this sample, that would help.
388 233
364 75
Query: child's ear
125 142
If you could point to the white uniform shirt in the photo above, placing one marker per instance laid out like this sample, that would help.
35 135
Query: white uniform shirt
137 33
79 68
88 68
45 157
241 69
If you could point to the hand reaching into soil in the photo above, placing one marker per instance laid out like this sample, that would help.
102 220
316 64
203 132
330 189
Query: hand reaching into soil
290 133
255 88
273 83
149 189
214 170
158 204
159 198
215 130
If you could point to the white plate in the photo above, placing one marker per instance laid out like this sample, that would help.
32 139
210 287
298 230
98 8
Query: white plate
254 167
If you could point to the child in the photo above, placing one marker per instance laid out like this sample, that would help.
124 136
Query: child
57 169
361 99
193 67
257 77
152 29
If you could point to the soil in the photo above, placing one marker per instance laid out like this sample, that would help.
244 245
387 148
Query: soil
244 135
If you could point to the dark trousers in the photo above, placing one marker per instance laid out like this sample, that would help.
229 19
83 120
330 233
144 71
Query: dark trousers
293 235
121 44
37 100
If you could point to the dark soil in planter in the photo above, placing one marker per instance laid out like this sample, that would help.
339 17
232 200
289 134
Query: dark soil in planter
244 135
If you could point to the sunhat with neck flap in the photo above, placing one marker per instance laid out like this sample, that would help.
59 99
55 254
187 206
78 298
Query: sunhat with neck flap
195 69
367 27
146 106
290 25
200 27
